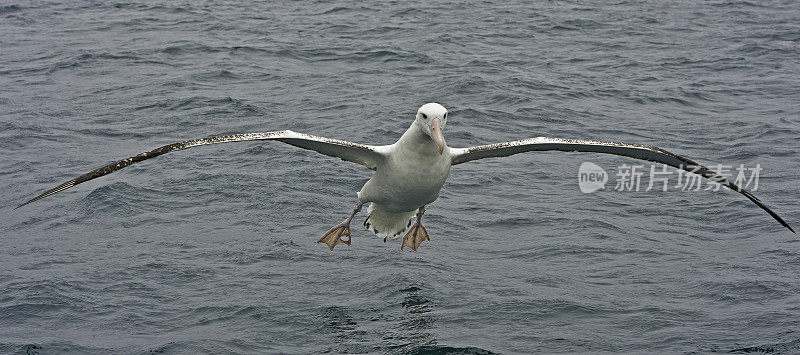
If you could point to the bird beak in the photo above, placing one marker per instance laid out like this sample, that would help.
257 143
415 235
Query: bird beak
436 134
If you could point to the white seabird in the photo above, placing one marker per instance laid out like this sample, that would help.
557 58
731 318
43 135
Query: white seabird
410 173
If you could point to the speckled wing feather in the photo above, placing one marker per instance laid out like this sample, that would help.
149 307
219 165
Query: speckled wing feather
366 155
637 151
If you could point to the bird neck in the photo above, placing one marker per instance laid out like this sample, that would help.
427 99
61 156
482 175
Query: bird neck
415 139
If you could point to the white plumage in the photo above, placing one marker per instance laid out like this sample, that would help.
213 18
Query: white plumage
385 223
410 173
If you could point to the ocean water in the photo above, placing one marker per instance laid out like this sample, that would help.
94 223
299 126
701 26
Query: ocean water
212 249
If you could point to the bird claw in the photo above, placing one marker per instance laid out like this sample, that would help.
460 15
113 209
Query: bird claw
415 236
333 236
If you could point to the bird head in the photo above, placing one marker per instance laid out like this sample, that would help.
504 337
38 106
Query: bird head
431 118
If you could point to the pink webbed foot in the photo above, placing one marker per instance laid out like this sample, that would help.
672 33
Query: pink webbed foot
417 234
339 234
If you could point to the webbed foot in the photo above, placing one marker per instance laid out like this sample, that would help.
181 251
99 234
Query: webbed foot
333 236
417 234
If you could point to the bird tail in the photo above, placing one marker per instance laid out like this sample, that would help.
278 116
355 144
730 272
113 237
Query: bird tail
385 223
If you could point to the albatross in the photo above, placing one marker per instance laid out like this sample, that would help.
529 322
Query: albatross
410 173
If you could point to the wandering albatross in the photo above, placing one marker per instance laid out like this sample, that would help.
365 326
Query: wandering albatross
410 173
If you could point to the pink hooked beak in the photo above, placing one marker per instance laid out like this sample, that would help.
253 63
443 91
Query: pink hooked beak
436 134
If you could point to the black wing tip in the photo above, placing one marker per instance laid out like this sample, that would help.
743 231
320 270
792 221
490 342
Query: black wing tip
783 223
30 201
769 211
775 216
787 226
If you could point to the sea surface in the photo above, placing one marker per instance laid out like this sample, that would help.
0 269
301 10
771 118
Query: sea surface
212 249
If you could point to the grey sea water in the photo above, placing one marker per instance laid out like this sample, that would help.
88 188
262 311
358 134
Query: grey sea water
211 250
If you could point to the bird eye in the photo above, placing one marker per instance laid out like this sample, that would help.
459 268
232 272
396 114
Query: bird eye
445 115
424 116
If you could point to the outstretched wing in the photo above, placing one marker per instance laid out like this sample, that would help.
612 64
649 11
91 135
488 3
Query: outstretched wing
365 155
643 152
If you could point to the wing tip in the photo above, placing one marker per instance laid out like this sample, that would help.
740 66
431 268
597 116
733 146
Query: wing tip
23 204
37 198
776 216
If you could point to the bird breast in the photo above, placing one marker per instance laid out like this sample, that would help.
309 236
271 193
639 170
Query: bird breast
408 179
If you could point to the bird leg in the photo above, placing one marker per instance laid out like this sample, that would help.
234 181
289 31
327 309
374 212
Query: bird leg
333 236
417 234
